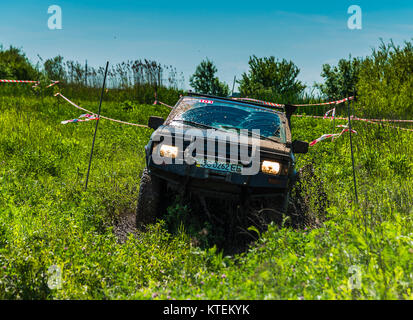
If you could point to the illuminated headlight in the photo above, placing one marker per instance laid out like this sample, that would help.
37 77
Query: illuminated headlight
270 167
168 151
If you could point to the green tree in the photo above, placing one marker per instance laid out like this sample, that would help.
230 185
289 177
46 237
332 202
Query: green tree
15 65
54 68
271 79
340 80
205 81
385 84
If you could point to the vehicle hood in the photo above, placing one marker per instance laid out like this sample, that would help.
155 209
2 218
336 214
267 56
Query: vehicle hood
266 145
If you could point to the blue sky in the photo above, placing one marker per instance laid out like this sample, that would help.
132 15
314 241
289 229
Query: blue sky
182 33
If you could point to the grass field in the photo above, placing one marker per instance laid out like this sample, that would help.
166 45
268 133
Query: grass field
47 219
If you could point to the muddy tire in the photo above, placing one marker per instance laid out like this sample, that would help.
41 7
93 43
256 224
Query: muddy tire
149 200
265 211
308 200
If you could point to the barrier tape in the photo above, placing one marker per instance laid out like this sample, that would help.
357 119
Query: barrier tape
36 83
18 81
323 137
325 103
375 121
102 117
393 127
296 105
261 101
333 113
384 120
332 135
328 112
317 117
164 104
88 117
52 84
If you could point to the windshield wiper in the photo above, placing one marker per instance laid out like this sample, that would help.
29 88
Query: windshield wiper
226 129
193 123
252 133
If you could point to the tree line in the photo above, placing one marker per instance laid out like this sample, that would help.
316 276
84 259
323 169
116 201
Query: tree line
382 81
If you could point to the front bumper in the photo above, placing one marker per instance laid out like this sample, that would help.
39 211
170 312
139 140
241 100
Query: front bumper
220 184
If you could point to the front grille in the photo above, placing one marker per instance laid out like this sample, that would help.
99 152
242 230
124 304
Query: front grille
231 151
215 151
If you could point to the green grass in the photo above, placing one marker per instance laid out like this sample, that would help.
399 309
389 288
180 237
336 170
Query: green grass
47 219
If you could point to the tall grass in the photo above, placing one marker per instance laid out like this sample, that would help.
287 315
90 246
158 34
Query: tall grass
47 219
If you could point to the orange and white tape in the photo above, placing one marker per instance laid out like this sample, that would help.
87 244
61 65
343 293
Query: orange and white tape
375 121
271 104
325 103
36 83
18 81
332 135
52 84
102 117
161 103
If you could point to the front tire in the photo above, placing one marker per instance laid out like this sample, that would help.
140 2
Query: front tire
149 200
308 200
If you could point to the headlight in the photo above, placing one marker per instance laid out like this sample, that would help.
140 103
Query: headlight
270 167
168 151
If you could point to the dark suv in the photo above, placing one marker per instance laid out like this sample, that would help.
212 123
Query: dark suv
219 148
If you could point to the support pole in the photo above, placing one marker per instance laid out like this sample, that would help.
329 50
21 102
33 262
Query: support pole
97 123
351 147
334 120
233 86
86 74
156 93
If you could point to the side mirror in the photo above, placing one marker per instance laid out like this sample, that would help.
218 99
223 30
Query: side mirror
155 122
300 146
289 110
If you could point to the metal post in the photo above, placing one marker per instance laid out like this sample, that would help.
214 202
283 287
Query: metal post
352 154
156 93
97 123
233 86
86 74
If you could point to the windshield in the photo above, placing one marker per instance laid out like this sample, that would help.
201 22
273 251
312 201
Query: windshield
229 116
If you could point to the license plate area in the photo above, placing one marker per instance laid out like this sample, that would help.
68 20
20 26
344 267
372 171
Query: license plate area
219 166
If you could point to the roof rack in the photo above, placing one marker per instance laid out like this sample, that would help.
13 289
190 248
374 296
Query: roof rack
288 108
190 93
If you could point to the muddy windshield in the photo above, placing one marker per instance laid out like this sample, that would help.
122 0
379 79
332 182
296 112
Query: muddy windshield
229 116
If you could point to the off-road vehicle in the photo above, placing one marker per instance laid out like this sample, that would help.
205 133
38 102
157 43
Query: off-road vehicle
215 174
